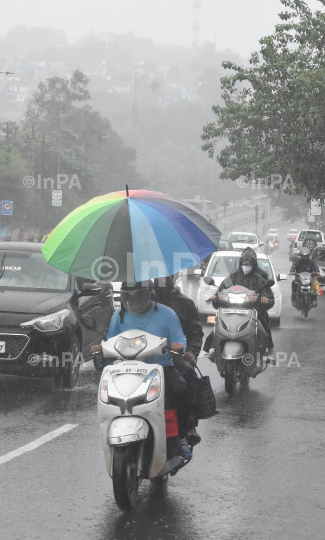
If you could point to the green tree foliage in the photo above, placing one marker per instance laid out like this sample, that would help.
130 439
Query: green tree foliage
63 136
274 112
60 138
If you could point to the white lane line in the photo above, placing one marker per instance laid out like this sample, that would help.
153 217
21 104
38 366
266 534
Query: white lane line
38 442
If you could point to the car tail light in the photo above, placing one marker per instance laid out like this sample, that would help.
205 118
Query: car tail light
295 245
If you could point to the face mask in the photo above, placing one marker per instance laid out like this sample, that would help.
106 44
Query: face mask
247 269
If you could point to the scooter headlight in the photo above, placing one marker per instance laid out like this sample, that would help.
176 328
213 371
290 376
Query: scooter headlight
103 388
305 281
154 387
130 348
237 298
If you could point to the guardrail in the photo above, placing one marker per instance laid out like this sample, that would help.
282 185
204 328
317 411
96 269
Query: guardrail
22 238
232 225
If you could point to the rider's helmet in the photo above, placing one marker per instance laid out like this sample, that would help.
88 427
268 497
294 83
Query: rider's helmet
304 253
135 297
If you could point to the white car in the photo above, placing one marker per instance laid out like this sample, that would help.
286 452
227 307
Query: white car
292 234
272 233
220 266
242 240
307 238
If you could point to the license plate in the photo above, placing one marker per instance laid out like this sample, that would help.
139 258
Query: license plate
2 347
240 311
124 370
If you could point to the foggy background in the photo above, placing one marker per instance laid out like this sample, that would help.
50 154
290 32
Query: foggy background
153 70
234 24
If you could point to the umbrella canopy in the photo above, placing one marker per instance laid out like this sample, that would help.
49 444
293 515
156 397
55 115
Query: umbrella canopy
130 236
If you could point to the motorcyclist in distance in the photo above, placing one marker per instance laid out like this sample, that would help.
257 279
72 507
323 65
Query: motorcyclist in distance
139 311
303 264
168 294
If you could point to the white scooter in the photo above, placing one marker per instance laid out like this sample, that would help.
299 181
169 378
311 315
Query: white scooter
139 431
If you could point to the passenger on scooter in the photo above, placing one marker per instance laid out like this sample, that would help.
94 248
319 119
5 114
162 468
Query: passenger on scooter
169 295
303 264
139 311
247 276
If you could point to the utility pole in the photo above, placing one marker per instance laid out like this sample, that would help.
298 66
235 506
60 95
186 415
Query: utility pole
196 26
256 216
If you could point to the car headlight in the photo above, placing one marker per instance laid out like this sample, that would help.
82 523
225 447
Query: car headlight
48 323
209 291
154 387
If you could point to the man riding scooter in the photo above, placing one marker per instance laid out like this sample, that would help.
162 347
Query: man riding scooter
247 276
169 295
139 311
303 264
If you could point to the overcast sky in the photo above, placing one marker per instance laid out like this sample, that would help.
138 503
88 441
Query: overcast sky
235 24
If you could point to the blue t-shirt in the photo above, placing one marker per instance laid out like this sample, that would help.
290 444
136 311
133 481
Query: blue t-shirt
162 323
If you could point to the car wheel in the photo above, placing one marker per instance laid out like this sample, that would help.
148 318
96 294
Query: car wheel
68 375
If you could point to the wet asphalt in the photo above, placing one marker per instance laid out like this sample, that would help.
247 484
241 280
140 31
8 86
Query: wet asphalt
258 473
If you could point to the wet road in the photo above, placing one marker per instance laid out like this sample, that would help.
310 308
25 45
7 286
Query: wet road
258 473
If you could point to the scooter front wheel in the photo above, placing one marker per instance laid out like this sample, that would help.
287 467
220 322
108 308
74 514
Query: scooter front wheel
125 480
230 381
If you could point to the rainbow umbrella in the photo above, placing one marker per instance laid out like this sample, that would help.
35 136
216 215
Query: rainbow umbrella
130 236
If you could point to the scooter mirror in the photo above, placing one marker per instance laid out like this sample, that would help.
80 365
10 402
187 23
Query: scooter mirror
209 280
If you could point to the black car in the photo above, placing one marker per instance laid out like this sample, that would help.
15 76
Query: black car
41 310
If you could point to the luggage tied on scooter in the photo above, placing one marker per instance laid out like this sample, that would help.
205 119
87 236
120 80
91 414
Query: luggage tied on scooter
315 287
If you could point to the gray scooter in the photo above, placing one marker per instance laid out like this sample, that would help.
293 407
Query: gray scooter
240 341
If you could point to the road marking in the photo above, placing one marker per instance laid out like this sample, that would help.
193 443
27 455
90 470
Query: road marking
38 442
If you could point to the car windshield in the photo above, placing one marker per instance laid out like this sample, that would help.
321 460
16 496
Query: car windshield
29 271
245 238
223 266
319 255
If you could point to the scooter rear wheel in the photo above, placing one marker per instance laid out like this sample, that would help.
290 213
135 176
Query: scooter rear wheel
125 480
230 382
